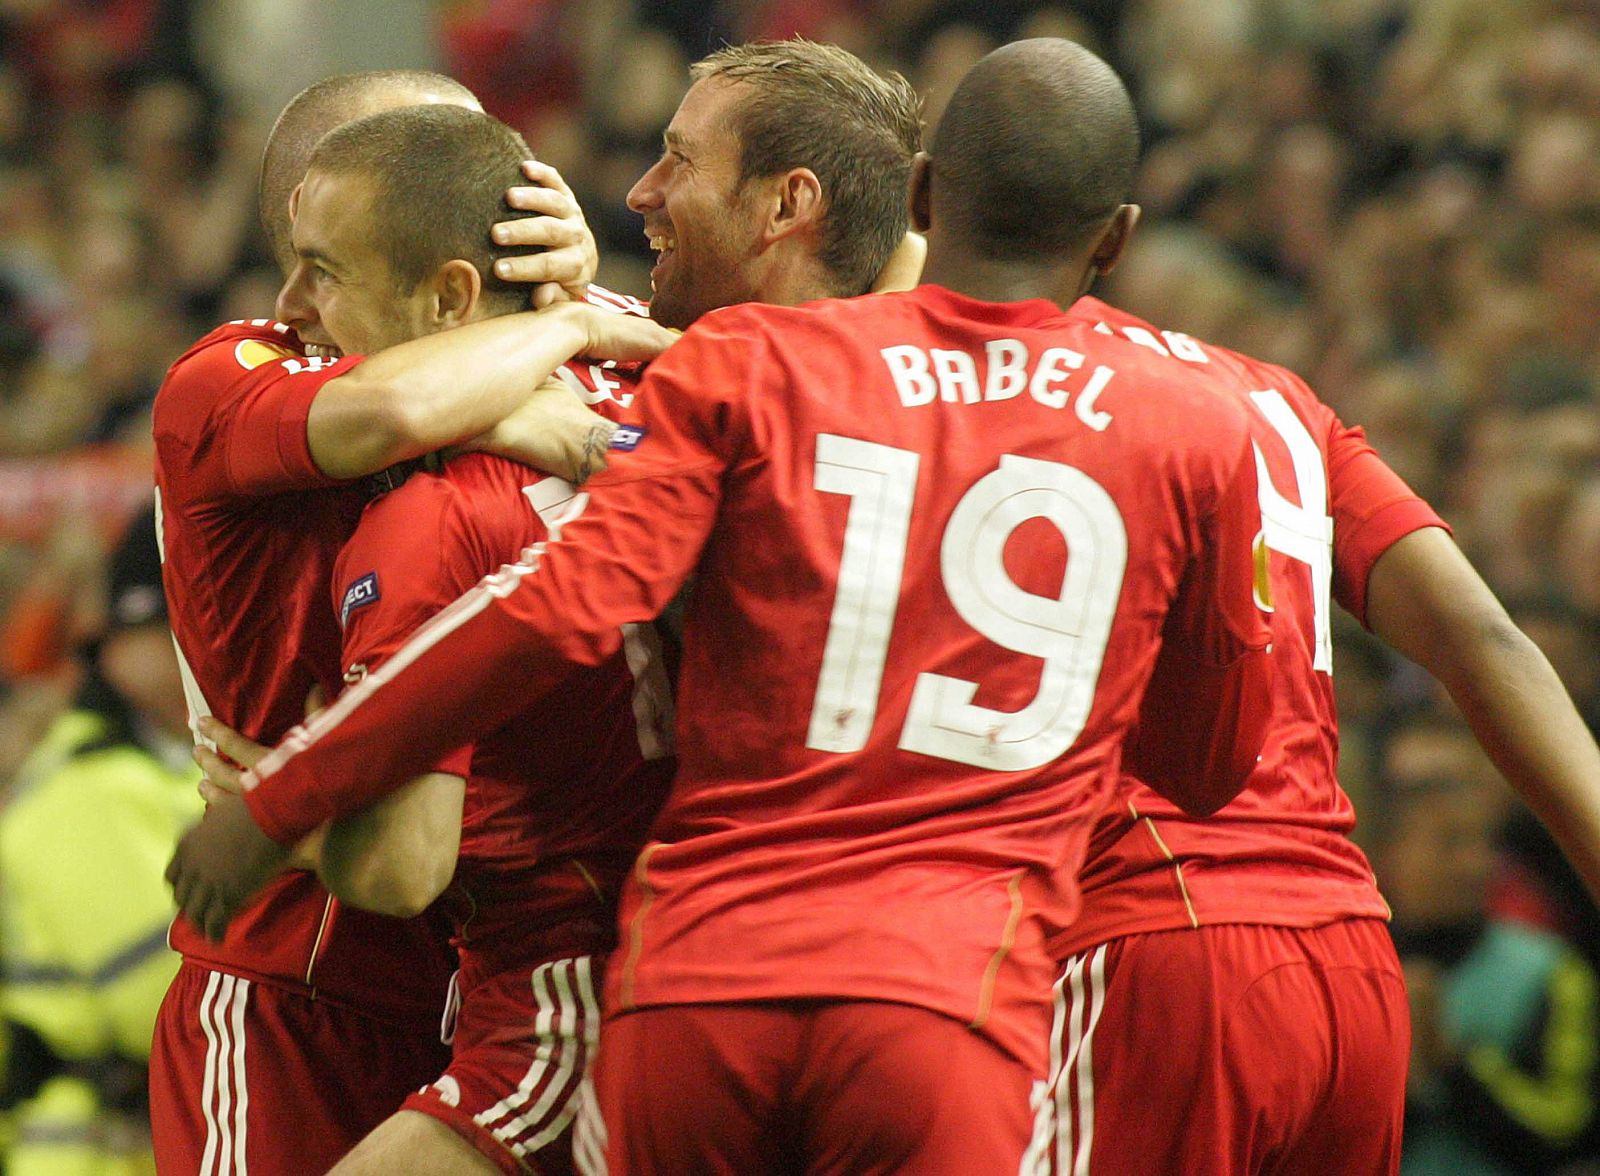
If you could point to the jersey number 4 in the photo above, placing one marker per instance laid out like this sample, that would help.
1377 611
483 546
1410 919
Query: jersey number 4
1068 632
1304 532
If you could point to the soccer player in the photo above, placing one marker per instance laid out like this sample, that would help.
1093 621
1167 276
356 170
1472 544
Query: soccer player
557 801
282 1045
857 128
1240 965
943 547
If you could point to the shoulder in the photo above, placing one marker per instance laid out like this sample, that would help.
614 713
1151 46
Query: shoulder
746 335
470 493
822 316
1235 370
232 349
222 366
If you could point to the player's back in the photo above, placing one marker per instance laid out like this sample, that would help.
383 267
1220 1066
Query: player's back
558 799
949 538
1280 852
249 530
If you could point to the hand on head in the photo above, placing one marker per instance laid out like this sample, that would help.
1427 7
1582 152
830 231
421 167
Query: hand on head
567 257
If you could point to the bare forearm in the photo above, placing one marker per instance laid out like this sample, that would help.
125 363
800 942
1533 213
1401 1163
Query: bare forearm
437 390
1425 600
397 856
1526 722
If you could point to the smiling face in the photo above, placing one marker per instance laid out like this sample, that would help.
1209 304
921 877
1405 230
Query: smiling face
342 291
704 223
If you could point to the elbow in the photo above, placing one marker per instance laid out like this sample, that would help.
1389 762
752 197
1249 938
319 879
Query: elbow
390 432
404 426
400 895
406 902
402 889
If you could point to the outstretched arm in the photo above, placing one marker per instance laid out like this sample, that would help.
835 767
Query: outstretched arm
427 393
1427 601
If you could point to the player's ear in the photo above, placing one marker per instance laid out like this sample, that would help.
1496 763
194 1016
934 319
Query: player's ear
457 288
796 204
1114 240
921 194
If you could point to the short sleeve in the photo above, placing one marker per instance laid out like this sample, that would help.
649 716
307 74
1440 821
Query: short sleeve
238 407
1372 509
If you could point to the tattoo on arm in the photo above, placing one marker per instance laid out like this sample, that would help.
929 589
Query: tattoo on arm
595 445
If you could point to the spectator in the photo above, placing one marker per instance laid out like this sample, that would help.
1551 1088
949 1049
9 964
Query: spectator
96 811
1505 1012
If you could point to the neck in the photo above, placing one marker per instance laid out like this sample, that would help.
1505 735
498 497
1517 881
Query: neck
1059 281
791 281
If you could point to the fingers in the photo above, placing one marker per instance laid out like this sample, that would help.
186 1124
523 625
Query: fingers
568 255
194 898
315 700
566 265
540 232
230 743
546 177
175 876
214 917
220 776
547 202
548 294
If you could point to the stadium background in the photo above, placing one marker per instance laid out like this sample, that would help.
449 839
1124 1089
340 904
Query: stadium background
1399 199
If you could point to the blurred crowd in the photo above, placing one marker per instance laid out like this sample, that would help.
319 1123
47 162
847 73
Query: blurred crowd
1399 199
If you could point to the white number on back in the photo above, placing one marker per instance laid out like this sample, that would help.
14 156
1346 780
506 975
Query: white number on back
881 482
1067 631
1303 532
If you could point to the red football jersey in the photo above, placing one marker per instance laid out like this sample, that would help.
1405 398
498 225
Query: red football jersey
938 541
559 799
1281 852
249 529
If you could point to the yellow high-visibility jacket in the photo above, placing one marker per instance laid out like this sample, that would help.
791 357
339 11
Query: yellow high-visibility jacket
84 911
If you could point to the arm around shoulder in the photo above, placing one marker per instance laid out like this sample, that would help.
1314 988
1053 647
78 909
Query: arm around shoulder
444 388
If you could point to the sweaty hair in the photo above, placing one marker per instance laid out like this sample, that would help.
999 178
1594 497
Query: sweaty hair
319 108
1036 149
820 107
438 178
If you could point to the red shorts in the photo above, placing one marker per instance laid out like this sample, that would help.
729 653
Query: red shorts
814 1086
1227 1049
247 1077
521 1048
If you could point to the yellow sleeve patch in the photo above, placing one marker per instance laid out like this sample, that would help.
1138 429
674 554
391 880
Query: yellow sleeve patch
252 353
1263 569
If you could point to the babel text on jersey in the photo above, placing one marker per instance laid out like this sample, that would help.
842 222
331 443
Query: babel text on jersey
1005 370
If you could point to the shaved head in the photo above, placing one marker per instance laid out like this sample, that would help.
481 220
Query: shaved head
1035 152
321 107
